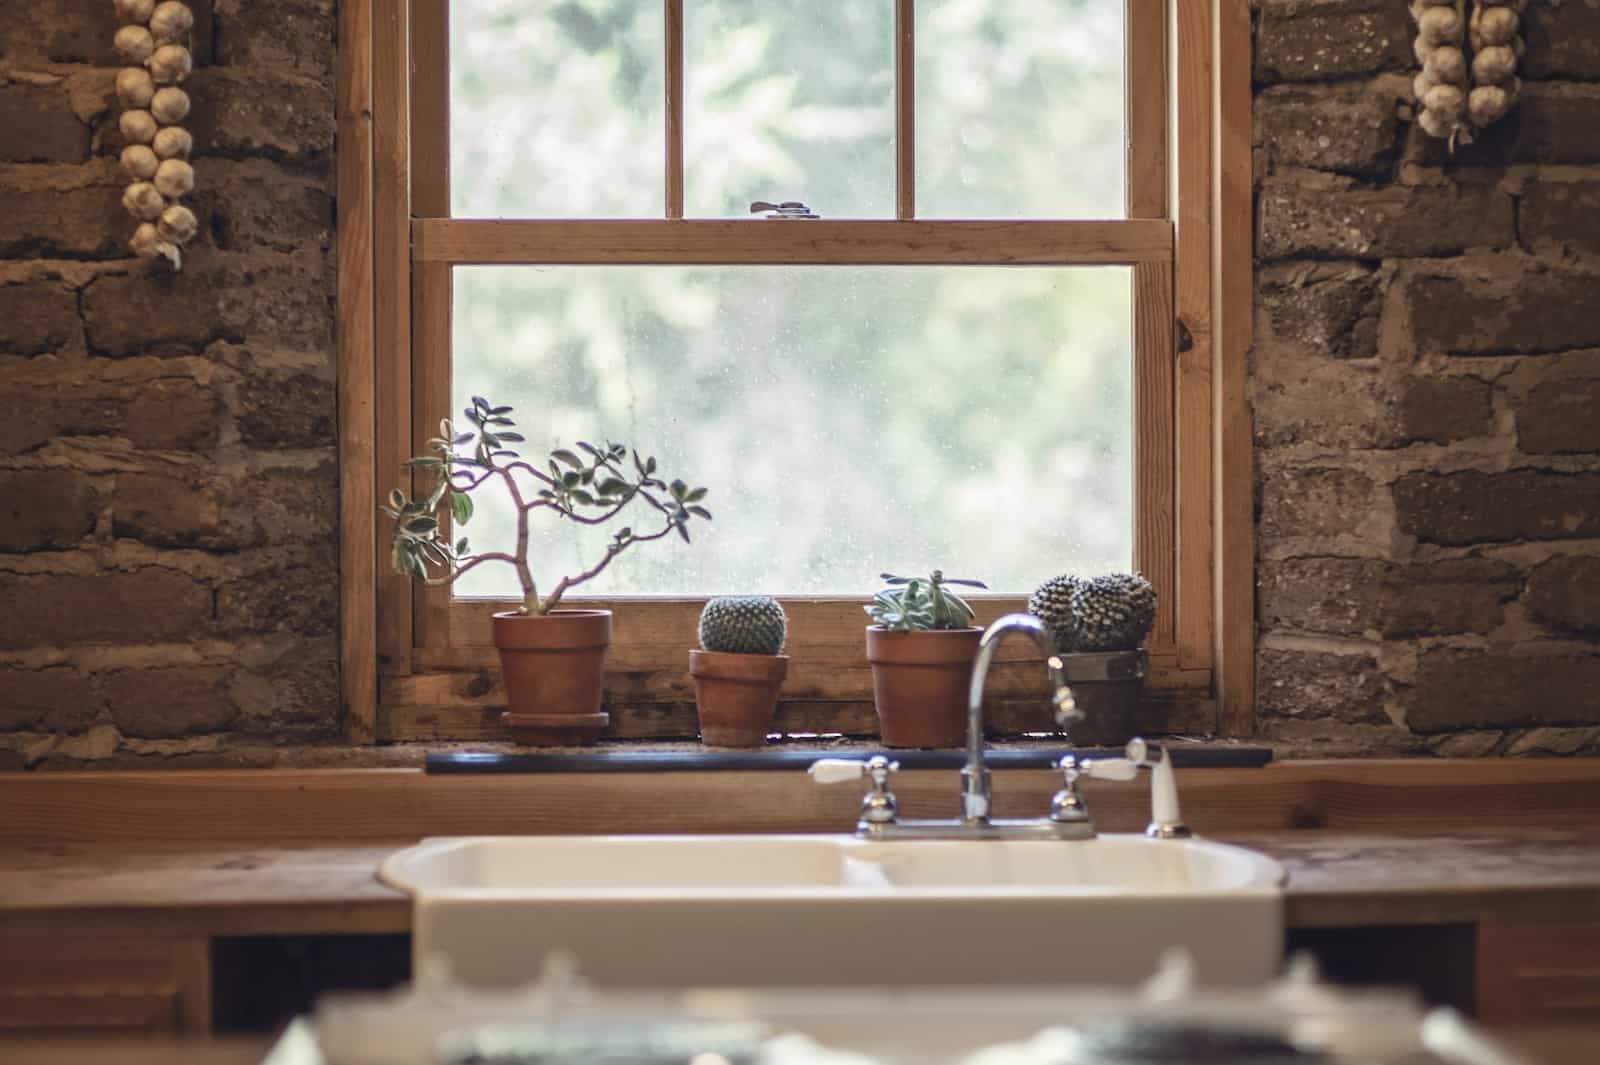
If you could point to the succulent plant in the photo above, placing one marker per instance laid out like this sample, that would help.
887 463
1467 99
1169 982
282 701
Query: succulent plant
589 489
917 604
1110 613
743 625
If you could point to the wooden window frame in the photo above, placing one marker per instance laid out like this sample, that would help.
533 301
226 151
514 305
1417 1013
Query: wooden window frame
418 665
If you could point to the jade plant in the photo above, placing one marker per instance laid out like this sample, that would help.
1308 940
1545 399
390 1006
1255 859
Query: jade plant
589 485
918 604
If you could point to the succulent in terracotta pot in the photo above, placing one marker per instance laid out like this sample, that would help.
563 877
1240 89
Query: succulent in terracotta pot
739 669
922 646
553 659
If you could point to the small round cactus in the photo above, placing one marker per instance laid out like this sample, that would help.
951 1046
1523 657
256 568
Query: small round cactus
743 625
1110 613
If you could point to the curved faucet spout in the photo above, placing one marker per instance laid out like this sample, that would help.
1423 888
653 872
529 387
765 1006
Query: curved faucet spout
975 792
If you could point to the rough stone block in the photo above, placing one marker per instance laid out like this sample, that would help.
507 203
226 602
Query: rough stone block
1502 688
300 596
1561 416
256 203
1313 684
1290 400
298 35
1563 41
37 317
1519 311
168 703
1297 40
1472 507
1338 128
1562 214
1564 594
44 509
1365 597
147 605
1318 501
163 413
76 223
37 125
60 31
1304 221
299 693
1320 309
1442 410
297 411
59 699
1447 597
255 112
176 508
270 299
295 505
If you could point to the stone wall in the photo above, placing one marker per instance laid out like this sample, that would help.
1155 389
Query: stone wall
168 478
1426 385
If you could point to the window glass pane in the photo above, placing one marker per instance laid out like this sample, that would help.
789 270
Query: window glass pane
1020 109
789 101
556 109
848 420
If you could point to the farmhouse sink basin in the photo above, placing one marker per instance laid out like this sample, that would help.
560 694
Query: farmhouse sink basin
757 911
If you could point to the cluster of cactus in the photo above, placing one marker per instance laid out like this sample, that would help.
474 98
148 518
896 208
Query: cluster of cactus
743 625
918 604
1110 613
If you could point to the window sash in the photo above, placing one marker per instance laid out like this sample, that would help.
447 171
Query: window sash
437 667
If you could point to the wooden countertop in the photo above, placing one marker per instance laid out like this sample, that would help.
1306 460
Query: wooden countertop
1335 878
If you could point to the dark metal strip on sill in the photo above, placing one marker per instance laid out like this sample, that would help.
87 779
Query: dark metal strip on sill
624 761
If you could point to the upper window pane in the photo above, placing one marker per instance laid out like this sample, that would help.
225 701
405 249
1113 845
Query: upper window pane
557 109
847 420
1020 109
789 101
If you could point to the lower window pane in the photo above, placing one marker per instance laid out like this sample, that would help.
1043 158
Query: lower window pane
848 420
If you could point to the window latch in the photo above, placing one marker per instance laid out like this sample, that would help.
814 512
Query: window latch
785 210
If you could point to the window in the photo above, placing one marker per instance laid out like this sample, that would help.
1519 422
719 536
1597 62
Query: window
971 359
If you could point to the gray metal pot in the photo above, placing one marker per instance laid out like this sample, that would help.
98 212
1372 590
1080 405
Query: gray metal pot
1107 686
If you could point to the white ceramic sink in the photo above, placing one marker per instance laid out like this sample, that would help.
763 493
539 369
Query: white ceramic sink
754 911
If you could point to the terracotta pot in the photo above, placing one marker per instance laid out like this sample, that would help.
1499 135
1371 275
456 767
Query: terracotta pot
919 683
736 695
554 668
1107 686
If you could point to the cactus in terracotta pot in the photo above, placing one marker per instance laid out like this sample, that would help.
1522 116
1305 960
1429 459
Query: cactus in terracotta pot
739 669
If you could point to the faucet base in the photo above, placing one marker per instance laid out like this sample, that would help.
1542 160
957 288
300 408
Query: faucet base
1019 829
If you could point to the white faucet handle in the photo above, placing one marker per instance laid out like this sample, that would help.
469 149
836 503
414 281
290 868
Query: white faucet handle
836 770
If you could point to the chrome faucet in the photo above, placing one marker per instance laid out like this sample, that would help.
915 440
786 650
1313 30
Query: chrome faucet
975 788
879 811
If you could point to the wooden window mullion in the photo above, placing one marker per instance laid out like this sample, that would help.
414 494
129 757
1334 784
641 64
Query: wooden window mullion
674 107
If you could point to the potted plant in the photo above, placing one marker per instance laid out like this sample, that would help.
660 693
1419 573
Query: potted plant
1098 625
553 660
921 645
739 669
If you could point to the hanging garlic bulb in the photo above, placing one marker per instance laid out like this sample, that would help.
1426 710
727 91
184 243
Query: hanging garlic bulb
138 127
134 43
1441 88
139 162
178 224
144 240
135 10
174 179
171 21
170 64
174 142
143 201
134 87
169 105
